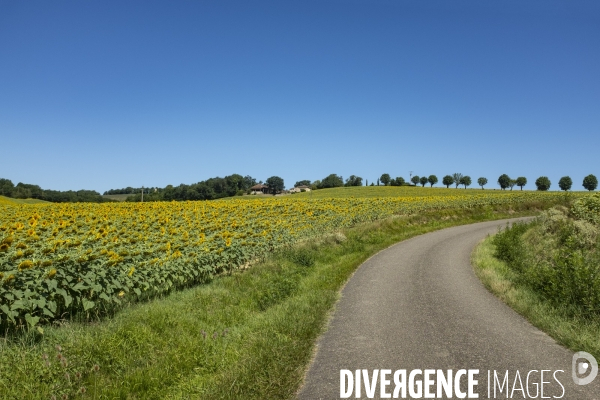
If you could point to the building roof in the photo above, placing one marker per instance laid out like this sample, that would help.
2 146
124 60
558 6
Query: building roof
258 187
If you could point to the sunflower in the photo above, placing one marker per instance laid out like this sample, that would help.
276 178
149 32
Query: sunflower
25 265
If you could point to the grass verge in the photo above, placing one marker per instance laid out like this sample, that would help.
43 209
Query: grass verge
247 335
574 332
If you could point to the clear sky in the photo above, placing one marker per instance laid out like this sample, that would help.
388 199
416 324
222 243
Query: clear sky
109 94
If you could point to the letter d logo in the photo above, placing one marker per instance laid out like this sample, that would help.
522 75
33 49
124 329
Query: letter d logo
580 368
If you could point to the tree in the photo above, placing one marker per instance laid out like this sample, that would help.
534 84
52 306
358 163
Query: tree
482 182
316 185
367 182
590 182
457 176
415 180
512 183
521 181
331 181
399 181
503 181
249 182
448 180
372 184
305 182
542 183
6 187
432 180
423 181
465 180
275 184
385 179
377 181
565 183
353 181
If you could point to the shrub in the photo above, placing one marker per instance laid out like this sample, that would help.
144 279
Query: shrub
509 246
588 208
557 256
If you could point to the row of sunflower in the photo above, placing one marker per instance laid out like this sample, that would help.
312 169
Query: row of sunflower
57 260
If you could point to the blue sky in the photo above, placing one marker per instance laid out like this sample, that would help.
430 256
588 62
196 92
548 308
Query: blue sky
101 95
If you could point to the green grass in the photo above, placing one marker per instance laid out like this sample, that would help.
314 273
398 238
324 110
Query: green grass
261 325
575 332
9 200
117 197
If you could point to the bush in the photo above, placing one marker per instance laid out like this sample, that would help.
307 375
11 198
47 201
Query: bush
558 256
588 209
509 246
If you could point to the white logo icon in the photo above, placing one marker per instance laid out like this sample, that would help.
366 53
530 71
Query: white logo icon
582 368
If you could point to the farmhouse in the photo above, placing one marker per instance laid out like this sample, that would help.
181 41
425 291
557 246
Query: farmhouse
259 188
301 188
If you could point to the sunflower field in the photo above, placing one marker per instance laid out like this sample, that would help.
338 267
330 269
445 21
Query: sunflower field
59 260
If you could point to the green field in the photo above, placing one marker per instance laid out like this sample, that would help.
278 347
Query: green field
117 197
8 200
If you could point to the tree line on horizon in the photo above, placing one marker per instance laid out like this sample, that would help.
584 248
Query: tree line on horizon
29 191
542 183
235 184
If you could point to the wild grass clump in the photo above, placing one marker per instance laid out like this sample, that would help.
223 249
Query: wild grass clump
558 255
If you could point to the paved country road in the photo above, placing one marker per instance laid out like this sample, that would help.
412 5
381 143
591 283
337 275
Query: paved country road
419 305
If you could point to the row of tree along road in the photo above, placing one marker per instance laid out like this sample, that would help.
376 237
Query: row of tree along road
590 182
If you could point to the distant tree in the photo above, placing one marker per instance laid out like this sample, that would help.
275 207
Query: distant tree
521 181
504 181
512 183
6 187
448 180
372 184
385 179
542 183
331 181
432 180
377 181
399 181
590 182
316 185
482 182
565 183
457 176
465 180
366 182
423 181
26 191
249 182
353 181
415 180
305 182
275 184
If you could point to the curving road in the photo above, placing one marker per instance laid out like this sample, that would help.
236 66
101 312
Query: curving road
419 305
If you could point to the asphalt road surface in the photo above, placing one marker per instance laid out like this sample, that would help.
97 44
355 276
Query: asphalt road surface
419 305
